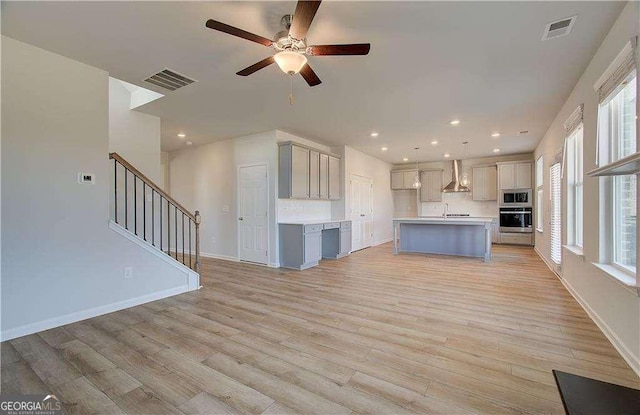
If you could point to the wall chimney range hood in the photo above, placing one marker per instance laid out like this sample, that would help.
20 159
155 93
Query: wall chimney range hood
455 186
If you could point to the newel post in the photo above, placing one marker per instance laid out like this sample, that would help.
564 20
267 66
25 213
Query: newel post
197 223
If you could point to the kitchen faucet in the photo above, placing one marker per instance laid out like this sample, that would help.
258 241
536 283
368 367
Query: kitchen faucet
446 210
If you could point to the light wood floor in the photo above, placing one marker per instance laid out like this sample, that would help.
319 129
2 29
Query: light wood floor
371 333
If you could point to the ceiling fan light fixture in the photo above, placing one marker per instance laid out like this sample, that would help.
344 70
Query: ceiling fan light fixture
290 62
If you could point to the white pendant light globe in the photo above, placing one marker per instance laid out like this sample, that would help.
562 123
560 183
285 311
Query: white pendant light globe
290 62
416 183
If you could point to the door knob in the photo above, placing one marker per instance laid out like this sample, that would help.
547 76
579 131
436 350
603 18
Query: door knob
240 218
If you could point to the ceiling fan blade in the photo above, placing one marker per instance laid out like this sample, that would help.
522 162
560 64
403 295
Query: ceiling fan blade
302 18
215 25
256 66
328 50
310 76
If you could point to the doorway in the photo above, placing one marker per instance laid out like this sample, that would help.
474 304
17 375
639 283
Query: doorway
361 199
253 213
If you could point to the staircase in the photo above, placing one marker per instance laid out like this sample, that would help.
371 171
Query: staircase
144 209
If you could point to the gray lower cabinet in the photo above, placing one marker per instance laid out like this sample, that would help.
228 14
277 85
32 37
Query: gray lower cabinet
303 245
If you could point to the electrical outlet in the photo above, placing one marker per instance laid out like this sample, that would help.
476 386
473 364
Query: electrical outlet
128 273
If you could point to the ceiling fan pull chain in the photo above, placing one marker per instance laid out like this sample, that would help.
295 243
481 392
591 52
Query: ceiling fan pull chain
291 91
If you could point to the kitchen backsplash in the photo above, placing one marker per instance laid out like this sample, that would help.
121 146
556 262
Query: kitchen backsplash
405 204
291 209
460 203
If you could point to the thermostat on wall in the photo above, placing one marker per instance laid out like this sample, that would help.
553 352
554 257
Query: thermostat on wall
86 178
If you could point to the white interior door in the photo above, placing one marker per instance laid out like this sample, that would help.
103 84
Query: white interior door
361 211
253 234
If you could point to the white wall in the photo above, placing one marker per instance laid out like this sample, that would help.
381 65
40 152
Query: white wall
205 178
60 260
134 135
615 308
406 200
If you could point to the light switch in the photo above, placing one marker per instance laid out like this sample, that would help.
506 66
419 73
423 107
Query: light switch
225 208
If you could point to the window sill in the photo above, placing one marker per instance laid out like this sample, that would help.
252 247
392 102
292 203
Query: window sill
625 279
576 250
539 230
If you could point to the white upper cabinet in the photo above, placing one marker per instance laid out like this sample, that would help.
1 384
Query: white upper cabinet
523 175
306 173
403 179
431 190
515 175
484 184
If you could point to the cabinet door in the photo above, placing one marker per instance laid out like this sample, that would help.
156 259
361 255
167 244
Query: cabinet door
490 183
523 176
478 184
397 180
299 172
312 247
408 177
435 186
506 176
334 178
345 241
425 190
314 174
324 176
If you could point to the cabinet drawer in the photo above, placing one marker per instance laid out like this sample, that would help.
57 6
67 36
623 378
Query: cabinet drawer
332 225
312 228
345 225
515 238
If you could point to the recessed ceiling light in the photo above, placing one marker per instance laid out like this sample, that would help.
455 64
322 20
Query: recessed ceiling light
181 135
447 155
455 122
374 134
495 135
384 149
189 143
434 142
405 159
496 150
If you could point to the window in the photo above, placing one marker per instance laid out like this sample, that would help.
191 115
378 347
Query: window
556 213
539 194
574 187
617 139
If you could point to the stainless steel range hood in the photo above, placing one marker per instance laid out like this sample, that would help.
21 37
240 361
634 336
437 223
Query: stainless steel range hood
455 186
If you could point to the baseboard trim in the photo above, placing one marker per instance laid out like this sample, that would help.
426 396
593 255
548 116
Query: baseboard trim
217 256
632 360
384 241
90 313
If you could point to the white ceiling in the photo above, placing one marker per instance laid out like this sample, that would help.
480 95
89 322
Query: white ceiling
430 62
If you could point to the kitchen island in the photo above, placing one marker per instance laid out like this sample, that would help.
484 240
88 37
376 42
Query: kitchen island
462 236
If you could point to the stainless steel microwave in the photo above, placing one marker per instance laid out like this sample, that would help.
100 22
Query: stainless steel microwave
516 198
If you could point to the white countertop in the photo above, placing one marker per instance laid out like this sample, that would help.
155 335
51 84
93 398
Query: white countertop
449 220
311 221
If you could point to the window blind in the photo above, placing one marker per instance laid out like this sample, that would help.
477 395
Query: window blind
610 82
570 126
556 213
617 72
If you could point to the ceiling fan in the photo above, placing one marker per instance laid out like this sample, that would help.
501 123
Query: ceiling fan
291 44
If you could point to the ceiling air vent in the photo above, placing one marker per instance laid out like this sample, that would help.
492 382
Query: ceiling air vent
169 79
559 28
